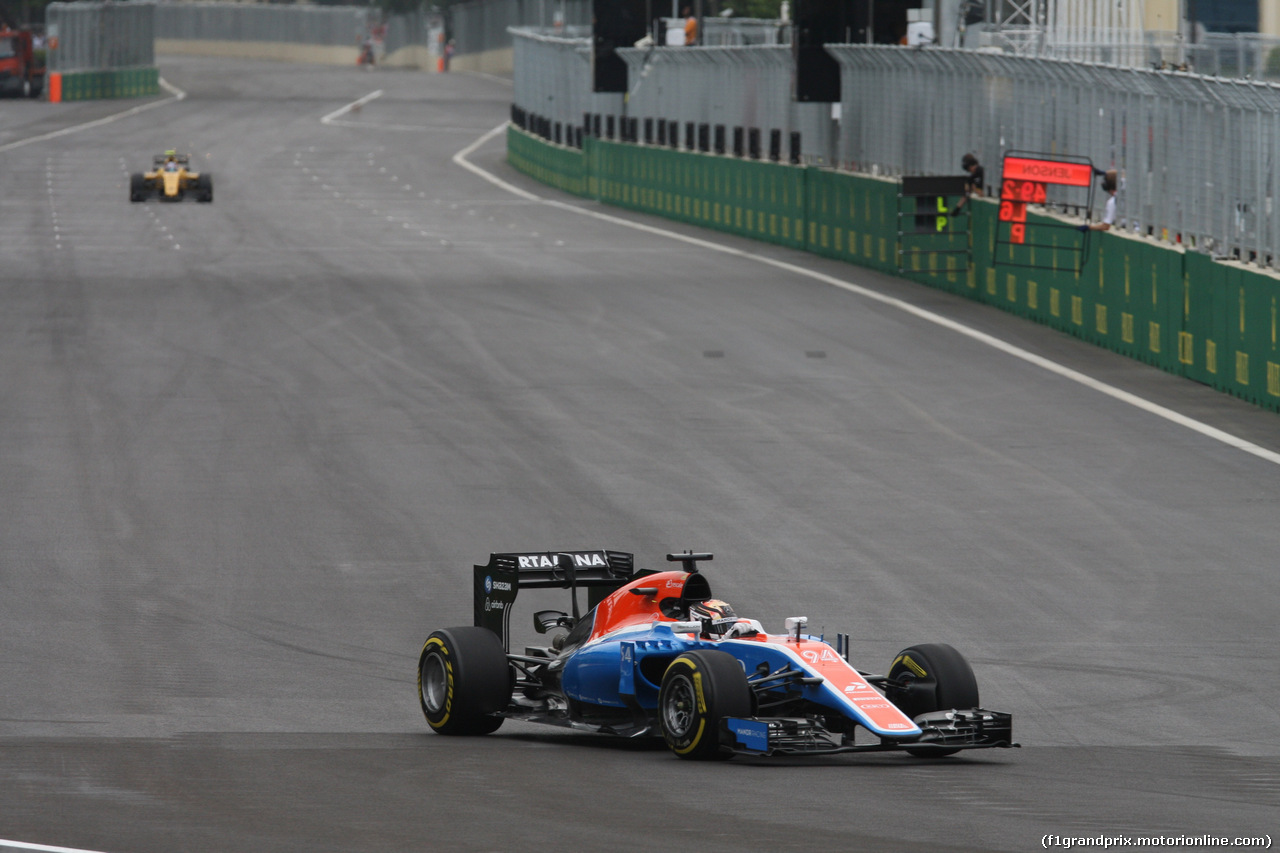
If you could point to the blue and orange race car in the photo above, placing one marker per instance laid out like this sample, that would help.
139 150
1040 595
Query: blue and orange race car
657 654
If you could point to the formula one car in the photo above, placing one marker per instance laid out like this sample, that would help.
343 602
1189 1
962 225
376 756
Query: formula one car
656 654
171 179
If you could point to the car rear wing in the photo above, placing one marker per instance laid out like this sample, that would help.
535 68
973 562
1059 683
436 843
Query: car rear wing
159 159
497 584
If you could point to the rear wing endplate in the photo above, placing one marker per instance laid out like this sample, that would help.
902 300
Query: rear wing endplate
497 584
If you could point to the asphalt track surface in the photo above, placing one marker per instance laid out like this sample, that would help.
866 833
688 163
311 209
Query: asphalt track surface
251 450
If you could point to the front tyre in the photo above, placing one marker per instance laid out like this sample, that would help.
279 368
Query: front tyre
137 187
204 187
699 689
931 677
464 680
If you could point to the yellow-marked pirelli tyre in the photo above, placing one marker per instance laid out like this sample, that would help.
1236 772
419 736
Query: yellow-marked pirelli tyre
699 689
931 677
464 680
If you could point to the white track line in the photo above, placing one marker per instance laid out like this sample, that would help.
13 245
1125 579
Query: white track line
23 845
354 105
177 94
937 319
461 159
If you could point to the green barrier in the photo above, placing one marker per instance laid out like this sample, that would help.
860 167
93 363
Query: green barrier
764 201
1213 322
1203 329
852 218
1253 361
116 83
562 168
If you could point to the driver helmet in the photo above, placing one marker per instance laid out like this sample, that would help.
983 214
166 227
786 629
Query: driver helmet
718 612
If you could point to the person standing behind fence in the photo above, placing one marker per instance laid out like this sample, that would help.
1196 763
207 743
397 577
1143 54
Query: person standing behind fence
975 185
1110 183
690 27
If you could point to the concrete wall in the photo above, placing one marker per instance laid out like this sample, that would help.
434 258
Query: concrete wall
500 61
412 56
319 54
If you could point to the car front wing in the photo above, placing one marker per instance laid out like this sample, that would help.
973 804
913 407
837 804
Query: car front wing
975 728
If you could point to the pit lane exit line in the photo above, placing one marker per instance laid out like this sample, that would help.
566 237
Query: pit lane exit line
177 94
354 105
937 319
23 845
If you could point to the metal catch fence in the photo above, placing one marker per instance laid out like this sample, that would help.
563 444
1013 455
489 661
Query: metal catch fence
1196 155
415 29
728 87
94 36
318 25
747 87
483 25
552 78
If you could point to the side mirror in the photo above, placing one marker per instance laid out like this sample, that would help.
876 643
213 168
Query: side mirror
545 620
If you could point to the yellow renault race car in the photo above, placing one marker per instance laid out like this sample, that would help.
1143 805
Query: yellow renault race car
171 179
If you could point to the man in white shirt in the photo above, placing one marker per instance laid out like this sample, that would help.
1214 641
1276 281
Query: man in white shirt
1110 180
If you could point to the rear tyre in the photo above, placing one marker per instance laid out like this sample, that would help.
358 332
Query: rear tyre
137 187
699 689
464 680
204 187
931 677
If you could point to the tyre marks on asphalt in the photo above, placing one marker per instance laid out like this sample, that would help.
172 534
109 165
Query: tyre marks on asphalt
397 202
161 228
381 199
83 213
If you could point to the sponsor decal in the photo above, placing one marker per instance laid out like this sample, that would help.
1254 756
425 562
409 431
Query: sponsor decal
856 686
898 726
490 585
495 605
675 584
751 734
548 561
